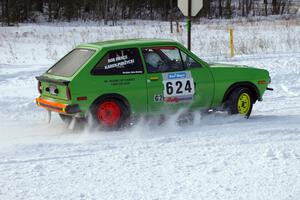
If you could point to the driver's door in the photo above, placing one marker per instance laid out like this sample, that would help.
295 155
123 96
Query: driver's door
169 85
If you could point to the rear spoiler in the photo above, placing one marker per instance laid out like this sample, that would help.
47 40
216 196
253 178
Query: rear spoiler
50 80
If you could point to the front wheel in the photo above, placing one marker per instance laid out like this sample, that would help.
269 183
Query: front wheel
240 102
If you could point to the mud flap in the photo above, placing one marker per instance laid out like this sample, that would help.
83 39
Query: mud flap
72 123
49 117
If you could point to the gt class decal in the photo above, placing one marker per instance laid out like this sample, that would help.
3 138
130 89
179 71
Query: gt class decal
178 86
158 98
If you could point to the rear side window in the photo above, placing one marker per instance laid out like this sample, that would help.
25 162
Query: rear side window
122 61
69 64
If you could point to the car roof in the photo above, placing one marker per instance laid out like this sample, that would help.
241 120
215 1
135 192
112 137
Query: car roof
130 42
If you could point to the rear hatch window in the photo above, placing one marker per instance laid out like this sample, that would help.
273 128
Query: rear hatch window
69 64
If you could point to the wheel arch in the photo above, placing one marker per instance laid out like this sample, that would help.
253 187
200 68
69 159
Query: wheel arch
245 84
115 96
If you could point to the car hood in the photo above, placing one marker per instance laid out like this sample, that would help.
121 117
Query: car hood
220 65
224 72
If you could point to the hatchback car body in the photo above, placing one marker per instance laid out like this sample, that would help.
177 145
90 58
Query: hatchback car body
117 79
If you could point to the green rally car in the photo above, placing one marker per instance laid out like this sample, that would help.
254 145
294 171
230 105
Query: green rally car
114 80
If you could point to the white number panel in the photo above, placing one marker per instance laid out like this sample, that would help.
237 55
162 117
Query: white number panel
178 86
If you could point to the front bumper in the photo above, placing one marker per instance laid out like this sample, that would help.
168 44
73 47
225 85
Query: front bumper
57 107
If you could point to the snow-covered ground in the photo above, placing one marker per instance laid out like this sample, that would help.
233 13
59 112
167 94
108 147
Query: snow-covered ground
217 157
44 44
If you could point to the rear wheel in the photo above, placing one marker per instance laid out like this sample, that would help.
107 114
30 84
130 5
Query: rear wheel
240 102
110 113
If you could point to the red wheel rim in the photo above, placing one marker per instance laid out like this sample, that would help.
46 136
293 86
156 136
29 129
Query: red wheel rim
109 113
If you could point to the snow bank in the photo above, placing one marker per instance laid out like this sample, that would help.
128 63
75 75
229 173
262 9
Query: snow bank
45 44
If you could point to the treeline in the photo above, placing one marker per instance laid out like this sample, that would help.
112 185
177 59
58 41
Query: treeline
19 11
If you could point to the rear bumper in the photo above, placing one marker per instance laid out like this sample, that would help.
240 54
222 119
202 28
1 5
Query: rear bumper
57 107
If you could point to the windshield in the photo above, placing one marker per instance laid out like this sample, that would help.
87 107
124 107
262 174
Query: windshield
69 64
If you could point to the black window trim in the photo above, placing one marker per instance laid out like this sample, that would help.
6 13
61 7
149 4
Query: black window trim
200 65
180 52
117 49
184 67
161 46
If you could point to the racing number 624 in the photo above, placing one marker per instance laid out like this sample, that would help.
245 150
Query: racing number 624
177 87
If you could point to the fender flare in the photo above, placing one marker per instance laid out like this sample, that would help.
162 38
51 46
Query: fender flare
115 96
245 84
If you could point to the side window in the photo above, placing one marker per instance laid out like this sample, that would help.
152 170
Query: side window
188 61
116 62
162 59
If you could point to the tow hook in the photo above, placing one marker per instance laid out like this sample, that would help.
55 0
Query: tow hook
271 89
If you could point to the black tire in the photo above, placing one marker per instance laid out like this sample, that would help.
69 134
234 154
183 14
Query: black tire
120 123
235 96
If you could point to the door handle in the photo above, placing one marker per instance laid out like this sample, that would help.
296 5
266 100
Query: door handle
154 78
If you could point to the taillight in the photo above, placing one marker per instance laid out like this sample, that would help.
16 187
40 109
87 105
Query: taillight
40 87
68 93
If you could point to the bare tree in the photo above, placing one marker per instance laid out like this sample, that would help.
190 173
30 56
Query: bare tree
266 7
220 9
171 16
3 12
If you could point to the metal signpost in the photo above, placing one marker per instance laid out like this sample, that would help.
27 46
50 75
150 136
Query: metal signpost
190 8
231 43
